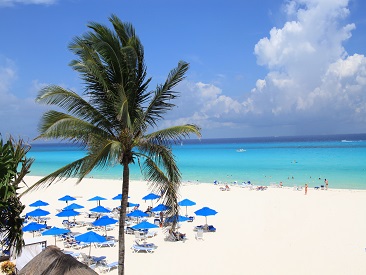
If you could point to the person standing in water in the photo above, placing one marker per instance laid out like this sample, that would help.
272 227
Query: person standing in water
306 188
326 184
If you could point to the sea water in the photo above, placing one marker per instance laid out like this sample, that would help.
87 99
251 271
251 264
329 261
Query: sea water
341 159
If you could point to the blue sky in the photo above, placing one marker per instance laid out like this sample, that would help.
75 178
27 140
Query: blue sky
257 68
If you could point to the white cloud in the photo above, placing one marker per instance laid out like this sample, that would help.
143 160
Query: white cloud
10 3
313 86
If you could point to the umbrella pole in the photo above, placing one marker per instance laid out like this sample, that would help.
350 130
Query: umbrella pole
55 240
89 250
186 211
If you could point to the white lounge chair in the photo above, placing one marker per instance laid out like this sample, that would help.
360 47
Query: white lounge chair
108 267
199 234
139 235
106 244
138 248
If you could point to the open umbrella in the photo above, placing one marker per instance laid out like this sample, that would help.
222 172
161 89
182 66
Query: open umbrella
137 213
151 197
144 225
73 206
205 211
186 202
68 213
67 198
90 237
160 207
38 203
100 209
54 231
33 226
98 199
104 221
118 197
38 213
176 218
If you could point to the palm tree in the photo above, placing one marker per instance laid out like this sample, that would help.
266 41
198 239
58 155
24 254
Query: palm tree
14 165
117 119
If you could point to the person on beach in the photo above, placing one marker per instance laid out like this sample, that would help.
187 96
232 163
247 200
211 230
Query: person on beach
306 188
326 184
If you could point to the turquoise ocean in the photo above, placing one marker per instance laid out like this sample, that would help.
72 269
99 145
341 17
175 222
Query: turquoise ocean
293 160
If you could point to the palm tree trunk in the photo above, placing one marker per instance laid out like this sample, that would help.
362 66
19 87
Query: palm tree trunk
122 218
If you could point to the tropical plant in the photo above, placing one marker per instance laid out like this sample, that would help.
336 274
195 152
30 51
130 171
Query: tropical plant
116 120
14 165
7 267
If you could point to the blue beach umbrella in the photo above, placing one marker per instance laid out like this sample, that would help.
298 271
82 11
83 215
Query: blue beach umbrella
98 199
73 206
90 237
118 197
54 231
186 202
144 225
68 213
160 207
104 221
176 218
131 204
33 226
38 203
67 198
205 211
38 213
100 209
137 213
151 197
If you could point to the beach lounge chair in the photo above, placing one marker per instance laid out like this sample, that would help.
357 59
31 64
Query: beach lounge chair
98 260
137 248
79 245
110 243
199 234
139 235
108 267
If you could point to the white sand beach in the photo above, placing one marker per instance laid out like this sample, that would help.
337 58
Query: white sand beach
276 231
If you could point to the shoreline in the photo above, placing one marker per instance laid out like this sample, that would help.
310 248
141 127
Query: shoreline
189 182
276 231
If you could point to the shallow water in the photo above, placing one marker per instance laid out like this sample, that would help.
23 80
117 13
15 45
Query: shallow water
293 160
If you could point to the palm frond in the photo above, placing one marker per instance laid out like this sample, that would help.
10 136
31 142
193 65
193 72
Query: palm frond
160 103
173 134
72 103
59 125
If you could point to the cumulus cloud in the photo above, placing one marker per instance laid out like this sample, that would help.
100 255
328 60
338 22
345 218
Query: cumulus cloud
312 87
10 3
